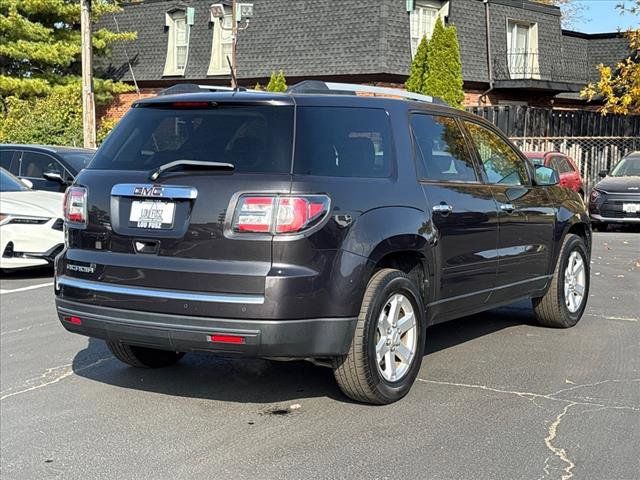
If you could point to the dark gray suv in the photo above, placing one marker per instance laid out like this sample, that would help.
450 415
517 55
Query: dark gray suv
321 226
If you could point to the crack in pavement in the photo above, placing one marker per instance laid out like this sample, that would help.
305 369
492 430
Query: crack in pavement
552 430
66 371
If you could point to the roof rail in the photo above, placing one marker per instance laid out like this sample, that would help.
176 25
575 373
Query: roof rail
193 88
320 87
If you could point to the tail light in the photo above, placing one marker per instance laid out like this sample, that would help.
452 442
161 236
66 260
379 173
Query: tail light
279 214
75 206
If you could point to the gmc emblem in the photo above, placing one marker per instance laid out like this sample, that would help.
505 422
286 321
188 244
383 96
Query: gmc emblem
153 191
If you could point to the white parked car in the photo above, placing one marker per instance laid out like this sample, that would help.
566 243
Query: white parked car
30 224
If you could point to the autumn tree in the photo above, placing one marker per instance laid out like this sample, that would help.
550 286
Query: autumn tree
571 11
619 86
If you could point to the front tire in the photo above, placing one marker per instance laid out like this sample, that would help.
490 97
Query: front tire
564 303
388 344
143 357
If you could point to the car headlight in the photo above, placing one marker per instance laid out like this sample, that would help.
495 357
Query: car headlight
595 194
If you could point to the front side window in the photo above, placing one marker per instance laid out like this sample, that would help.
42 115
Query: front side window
522 50
561 164
441 151
423 20
343 142
501 163
178 25
34 164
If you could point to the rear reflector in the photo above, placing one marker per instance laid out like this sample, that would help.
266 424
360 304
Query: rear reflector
74 320
223 338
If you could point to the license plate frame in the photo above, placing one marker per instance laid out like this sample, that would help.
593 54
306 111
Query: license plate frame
631 207
152 214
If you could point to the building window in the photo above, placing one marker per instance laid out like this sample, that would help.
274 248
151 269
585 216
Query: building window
423 19
522 49
222 44
178 24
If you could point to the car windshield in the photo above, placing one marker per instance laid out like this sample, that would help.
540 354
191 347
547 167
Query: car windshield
628 167
9 183
78 160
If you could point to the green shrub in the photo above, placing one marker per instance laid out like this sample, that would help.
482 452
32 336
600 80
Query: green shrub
277 82
419 67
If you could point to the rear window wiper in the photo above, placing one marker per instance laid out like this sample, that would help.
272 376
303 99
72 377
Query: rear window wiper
190 165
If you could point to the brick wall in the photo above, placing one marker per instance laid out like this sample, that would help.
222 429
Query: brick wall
122 103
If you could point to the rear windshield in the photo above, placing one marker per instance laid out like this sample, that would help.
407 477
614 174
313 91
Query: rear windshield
253 138
343 142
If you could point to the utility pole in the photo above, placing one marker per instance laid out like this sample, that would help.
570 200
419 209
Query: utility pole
234 37
88 104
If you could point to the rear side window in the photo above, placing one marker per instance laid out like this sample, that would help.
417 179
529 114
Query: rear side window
254 138
441 149
343 142
8 161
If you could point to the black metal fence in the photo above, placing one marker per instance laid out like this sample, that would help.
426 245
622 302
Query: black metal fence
522 121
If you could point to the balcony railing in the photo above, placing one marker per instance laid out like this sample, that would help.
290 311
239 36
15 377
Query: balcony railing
533 66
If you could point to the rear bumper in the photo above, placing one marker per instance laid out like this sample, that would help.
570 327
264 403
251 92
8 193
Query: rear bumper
318 337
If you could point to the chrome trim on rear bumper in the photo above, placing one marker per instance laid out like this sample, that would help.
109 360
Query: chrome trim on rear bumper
600 218
64 281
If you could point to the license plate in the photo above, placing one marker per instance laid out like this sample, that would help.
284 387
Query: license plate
152 214
631 207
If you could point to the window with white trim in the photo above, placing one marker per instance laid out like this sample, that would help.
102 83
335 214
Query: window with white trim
222 44
522 49
178 23
423 19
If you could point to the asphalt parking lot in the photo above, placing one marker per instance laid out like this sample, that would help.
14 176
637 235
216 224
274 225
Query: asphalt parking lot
497 397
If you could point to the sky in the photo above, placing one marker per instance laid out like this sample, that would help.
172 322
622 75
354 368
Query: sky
598 16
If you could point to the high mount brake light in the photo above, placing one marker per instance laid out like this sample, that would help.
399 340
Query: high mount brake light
75 205
279 214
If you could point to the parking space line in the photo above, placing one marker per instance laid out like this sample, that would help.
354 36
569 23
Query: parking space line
24 289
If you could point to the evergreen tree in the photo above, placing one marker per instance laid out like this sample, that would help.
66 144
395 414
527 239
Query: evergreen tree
277 82
443 78
419 66
40 44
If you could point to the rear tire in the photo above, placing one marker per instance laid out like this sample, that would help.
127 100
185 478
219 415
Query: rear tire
360 373
559 307
143 357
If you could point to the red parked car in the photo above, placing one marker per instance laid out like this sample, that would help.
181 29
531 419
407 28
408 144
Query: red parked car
563 164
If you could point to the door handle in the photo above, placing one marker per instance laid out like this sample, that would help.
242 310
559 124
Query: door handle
507 207
443 209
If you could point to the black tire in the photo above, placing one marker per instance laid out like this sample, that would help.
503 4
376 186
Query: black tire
143 357
357 372
551 309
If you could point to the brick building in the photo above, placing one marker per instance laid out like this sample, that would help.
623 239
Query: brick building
513 51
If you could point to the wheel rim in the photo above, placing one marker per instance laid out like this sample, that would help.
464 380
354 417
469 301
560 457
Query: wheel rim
575 281
396 338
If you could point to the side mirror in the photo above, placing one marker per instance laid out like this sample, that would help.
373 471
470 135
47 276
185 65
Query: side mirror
546 176
53 176
27 183
603 173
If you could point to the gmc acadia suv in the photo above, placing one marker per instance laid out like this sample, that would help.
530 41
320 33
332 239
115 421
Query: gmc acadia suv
329 227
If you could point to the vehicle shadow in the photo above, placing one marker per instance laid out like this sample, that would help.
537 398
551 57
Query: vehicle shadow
209 377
